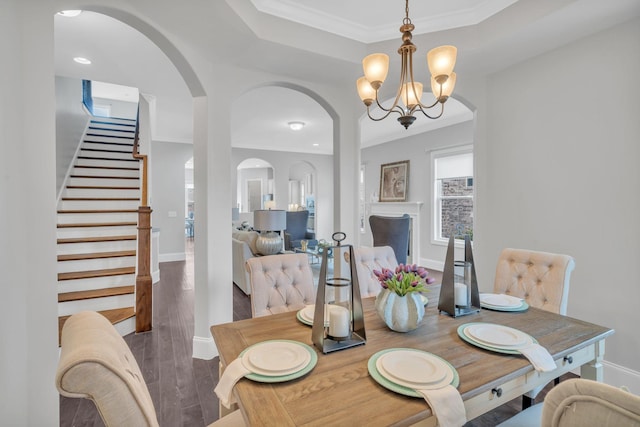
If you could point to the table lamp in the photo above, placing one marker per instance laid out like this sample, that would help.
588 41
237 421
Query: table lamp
268 222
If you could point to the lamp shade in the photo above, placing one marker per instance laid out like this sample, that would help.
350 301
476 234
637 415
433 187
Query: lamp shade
269 220
365 91
409 97
375 68
447 87
441 60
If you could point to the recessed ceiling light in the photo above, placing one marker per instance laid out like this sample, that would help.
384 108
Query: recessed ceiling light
69 13
316 145
81 60
296 125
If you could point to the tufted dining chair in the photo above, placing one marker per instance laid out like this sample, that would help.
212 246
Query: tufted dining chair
97 364
540 278
368 259
280 283
580 402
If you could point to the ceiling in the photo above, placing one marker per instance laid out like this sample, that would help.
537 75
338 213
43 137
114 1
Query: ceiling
292 38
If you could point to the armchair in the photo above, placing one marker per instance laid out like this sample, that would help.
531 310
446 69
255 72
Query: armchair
297 230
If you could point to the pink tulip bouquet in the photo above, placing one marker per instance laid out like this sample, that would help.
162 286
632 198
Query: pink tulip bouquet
406 278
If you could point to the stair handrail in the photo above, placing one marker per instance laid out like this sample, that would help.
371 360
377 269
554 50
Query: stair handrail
136 155
144 289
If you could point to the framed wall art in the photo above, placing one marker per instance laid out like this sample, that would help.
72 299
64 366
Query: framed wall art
394 181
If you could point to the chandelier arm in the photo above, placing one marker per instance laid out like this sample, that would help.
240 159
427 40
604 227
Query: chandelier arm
432 117
383 117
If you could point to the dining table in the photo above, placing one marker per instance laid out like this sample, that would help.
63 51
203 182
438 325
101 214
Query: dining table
339 390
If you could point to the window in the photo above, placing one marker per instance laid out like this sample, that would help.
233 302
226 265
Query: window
453 192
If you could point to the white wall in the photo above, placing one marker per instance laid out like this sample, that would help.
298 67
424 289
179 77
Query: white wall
168 183
562 175
119 109
71 122
417 150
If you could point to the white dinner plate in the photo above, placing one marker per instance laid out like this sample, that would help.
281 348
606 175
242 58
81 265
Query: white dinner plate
500 300
308 312
497 335
276 358
414 369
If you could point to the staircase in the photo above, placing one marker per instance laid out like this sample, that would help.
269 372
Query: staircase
97 226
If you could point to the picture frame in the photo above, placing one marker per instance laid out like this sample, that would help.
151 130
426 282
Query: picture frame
394 181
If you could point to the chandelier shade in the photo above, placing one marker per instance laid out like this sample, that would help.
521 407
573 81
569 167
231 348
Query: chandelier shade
441 62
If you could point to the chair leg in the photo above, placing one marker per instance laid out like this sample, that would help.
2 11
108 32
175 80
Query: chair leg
526 402
556 381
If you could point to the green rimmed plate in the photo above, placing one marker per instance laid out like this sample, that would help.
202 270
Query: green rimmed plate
390 385
283 378
470 340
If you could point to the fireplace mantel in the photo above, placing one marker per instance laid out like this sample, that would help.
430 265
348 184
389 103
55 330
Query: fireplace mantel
398 209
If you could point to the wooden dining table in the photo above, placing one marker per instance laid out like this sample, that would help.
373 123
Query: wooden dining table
340 391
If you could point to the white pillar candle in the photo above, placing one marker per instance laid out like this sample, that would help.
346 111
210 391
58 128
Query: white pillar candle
338 321
461 294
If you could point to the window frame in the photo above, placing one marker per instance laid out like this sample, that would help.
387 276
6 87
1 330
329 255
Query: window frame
436 201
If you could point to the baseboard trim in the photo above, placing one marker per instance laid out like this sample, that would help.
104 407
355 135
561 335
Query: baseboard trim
204 348
619 376
177 256
155 276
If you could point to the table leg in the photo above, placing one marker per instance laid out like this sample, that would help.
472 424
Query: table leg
594 369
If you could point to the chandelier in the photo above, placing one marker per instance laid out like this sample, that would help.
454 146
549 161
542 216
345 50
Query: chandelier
440 60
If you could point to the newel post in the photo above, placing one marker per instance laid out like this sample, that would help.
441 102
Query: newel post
144 290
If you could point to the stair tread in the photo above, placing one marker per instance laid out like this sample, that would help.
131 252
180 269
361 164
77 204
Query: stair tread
97 239
96 273
116 315
96 293
110 136
101 187
94 211
106 158
104 177
98 198
96 255
98 224
107 167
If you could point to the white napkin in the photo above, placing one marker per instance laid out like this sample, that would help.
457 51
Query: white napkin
539 357
447 405
231 375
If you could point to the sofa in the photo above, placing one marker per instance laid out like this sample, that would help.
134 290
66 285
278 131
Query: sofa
243 248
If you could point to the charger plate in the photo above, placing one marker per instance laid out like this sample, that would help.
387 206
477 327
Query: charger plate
267 352
462 334
387 383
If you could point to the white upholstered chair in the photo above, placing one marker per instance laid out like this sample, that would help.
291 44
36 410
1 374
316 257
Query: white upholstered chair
540 278
581 403
368 259
280 283
97 364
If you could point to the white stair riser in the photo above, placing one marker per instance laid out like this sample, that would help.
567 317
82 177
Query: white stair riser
96 283
92 192
77 232
105 182
96 304
108 145
108 163
87 248
96 264
99 204
100 121
98 129
116 173
84 218
106 155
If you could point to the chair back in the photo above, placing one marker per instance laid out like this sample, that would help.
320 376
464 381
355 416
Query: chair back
297 224
582 402
392 231
280 283
369 259
96 363
540 278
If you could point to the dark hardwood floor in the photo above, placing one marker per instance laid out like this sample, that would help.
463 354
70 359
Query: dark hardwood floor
182 387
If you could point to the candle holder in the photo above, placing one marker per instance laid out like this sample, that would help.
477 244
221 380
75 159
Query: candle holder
459 290
338 319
